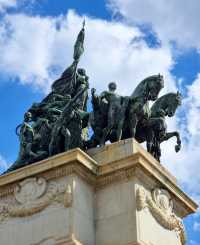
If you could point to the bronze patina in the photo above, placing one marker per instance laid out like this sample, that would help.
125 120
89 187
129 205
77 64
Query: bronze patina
60 121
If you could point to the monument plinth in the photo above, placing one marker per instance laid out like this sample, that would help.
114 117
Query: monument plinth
114 195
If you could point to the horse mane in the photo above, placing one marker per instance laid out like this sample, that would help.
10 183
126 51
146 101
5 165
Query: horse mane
163 97
160 100
139 90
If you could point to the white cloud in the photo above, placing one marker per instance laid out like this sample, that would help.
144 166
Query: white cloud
3 164
4 4
24 45
31 46
185 164
8 4
174 20
193 109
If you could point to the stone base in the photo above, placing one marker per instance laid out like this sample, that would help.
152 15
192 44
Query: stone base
115 195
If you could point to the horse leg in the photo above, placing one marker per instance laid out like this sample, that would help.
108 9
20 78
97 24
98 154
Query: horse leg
119 129
67 136
132 125
170 135
149 140
150 136
54 141
153 142
106 131
157 150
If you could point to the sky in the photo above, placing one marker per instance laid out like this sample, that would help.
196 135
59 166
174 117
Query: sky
126 41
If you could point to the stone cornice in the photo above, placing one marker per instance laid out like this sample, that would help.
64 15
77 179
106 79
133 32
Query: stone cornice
125 168
62 164
165 181
79 163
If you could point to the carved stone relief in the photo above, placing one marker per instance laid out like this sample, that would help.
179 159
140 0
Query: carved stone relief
30 189
33 195
160 205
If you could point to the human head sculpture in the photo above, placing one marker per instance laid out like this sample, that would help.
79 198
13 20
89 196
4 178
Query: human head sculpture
154 85
112 86
27 117
81 71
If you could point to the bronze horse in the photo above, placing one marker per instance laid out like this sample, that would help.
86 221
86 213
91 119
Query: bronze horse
134 109
155 130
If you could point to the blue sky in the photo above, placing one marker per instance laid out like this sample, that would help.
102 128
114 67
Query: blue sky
126 40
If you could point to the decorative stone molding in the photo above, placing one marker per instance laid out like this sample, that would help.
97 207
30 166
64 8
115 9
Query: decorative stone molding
33 195
139 243
67 240
46 241
70 240
160 205
117 176
55 174
30 189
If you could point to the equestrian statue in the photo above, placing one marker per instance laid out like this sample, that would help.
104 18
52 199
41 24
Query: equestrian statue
60 122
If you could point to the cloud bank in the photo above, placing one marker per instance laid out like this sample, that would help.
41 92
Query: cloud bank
172 21
36 50
4 4
3 164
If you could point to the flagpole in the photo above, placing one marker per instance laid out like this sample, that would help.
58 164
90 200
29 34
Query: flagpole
76 65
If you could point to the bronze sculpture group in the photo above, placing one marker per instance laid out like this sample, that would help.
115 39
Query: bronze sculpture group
60 121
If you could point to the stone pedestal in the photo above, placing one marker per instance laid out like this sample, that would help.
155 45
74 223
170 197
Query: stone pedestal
115 195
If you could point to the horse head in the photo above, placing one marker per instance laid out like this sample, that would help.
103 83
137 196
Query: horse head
149 88
167 103
154 85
